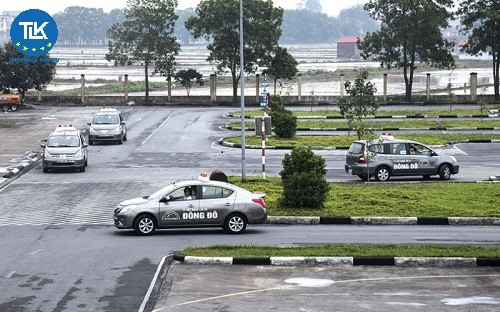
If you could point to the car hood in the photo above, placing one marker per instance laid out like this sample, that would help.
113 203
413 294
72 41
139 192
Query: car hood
134 201
62 150
105 127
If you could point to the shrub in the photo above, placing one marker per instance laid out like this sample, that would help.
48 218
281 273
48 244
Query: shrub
303 178
276 103
284 123
304 190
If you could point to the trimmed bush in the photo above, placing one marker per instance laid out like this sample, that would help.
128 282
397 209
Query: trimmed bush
303 178
284 123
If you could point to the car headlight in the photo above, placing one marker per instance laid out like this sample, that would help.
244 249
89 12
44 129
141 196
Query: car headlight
128 208
92 130
78 154
116 130
46 154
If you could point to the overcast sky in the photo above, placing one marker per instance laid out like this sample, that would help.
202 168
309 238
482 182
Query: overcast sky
330 7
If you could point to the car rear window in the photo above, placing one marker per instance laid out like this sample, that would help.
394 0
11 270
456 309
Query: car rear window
356 148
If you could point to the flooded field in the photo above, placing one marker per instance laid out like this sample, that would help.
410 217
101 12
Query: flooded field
91 62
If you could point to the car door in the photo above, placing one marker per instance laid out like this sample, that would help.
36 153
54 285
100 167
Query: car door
399 159
176 209
422 159
217 202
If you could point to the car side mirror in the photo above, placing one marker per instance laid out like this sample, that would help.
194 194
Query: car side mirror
163 200
89 123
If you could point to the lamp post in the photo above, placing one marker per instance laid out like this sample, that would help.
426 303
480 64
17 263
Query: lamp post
242 98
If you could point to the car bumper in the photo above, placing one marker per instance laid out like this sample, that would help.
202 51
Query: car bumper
104 137
455 168
123 221
63 163
357 170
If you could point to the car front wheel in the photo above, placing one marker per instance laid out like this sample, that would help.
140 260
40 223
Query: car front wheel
145 225
382 174
235 224
444 172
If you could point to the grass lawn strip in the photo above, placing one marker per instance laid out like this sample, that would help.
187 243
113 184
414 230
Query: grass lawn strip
345 250
429 199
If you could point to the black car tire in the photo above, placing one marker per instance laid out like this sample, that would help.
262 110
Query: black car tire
45 170
13 108
120 140
145 225
362 177
5 108
82 168
382 174
125 137
444 172
235 223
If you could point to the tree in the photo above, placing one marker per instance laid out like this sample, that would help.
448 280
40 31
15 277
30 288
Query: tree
360 102
310 5
480 19
23 76
145 37
282 66
410 33
188 77
355 21
303 26
218 21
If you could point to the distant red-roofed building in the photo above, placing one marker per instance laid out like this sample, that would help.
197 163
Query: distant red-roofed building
347 48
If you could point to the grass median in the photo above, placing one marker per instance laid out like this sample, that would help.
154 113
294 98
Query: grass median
345 250
427 199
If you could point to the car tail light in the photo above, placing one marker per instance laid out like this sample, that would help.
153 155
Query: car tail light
361 159
260 201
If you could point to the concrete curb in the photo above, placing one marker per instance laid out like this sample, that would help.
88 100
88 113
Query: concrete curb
382 129
473 221
338 261
222 142
383 117
25 164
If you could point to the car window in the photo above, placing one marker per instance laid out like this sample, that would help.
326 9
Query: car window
377 148
210 192
106 119
183 193
398 148
418 149
63 141
356 148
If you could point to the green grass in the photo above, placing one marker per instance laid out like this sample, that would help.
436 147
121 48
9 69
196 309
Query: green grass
429 199
381 112
343 141
6 123
408 123
345 250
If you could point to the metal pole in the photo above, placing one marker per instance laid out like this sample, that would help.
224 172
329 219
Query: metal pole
242 92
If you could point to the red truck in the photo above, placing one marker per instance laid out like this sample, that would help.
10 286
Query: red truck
10 101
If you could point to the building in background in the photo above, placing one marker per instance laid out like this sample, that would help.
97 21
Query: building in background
347 47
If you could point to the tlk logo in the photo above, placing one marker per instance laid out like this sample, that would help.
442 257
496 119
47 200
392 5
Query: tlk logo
31 30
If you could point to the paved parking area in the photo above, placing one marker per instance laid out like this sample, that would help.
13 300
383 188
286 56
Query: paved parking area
328 288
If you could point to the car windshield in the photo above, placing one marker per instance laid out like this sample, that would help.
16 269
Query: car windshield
106 120
63 141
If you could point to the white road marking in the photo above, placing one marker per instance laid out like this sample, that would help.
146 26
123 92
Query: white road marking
143 142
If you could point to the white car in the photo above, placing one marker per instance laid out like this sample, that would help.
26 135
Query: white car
192 203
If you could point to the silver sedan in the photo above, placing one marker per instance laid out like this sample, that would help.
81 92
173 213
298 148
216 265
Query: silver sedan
192 203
